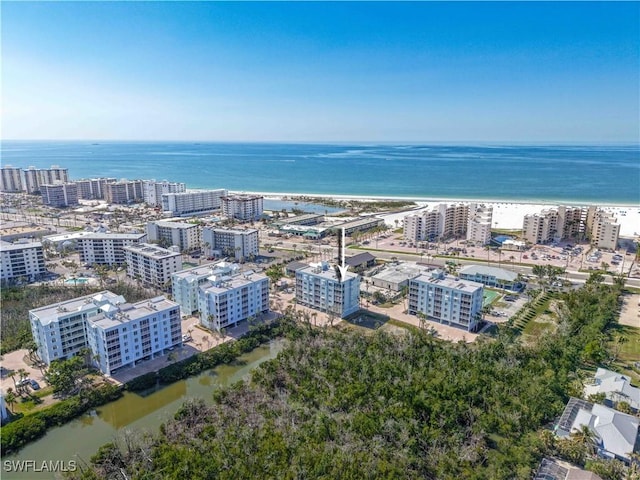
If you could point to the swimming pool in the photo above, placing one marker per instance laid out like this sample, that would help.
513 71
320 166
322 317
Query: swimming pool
76 281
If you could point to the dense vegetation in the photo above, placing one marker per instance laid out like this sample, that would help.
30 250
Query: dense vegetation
339 404
32 426
15 329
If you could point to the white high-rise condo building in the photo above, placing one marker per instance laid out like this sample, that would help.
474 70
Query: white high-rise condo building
479 223
446 299
323 288
554 224
185 283
93 188
239 243
59 195
226 299
34 177
153 191
21 261
124 191
186 236
603 228
118 334
242 207
11 178
106 248
151 264
193 203
442 221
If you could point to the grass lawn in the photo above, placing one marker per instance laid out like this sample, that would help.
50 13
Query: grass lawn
629 352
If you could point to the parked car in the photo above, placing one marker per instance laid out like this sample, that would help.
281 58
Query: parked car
35 385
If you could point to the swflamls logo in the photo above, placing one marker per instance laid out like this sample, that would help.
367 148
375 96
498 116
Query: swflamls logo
43 466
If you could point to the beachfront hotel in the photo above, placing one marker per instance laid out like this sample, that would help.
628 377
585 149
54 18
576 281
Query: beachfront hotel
193 203
93 188
229 297
59 195
11 179
21 261
124 192
238 243
118 334
243 207
446 299
185 283
322 287
442 221
106 248
152 191
151 264
479 223
34 177
186 236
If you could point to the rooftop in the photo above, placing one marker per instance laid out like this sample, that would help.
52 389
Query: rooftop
7 247
324 270
451 282
499 273
401 272
152 251
232 282
195 273
359 259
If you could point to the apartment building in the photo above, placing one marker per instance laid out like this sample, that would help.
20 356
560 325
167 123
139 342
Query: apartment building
93 188
603 228
59 195
21 261
224 300
34 177
193 203
305 219
152 264
124 192
152 191
117 334
106 248
479 223
243 207
540 228
239 243
441 221
446 299
186 236
11 179
185 283
571 222
321 287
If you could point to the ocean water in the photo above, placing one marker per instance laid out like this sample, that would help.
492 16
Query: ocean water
542 173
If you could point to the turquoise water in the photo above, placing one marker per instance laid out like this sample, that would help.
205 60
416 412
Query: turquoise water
588 174
76 281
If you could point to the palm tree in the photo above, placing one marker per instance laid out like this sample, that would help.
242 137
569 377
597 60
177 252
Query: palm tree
586 438
10 398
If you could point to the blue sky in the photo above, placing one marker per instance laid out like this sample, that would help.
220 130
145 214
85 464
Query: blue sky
387 72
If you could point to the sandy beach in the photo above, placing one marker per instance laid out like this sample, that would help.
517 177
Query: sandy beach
506 215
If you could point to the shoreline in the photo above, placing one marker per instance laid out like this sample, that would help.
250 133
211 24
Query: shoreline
507 214
417 199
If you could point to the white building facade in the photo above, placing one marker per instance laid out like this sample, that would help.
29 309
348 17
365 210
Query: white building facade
21 261
59 195
152 191
226 300
186 236
321 287
106 248
193 203
11 179
239 243
93 188
479 224
186 283
34 177
447 300
243 207
441 221
118 334
124 192
152 264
